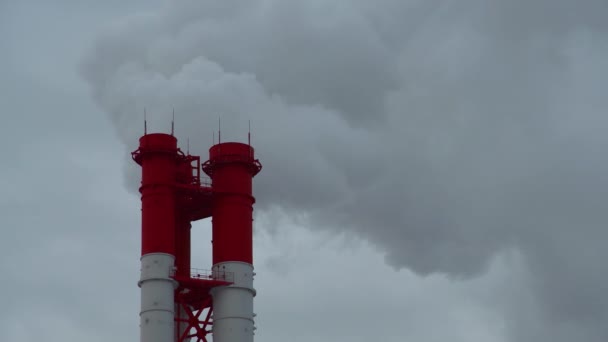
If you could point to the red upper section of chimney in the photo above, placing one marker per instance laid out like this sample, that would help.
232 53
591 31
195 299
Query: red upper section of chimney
231 167
157 157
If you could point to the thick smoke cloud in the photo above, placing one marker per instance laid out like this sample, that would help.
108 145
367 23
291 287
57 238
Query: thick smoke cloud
443 132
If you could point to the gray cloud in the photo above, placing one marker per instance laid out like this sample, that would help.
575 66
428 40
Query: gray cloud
442 132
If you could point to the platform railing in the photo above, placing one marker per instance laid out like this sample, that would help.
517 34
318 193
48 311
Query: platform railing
197 273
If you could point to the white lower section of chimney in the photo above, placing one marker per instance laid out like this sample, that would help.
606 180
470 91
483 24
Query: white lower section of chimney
156 319
181 327
233 305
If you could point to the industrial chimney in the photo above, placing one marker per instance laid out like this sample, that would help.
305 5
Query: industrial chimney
179 303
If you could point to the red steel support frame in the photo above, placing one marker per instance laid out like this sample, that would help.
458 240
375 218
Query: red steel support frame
193 321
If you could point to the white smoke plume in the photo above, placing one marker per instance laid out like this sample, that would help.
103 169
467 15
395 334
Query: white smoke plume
443 132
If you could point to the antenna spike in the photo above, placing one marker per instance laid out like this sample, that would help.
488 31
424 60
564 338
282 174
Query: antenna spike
145 122
173 123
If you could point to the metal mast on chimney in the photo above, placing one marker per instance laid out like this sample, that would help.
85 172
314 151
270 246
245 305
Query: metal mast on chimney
179 303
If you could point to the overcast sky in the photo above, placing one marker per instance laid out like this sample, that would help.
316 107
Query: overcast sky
433 170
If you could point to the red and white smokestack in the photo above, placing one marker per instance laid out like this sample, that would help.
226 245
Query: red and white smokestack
231 167
156 155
